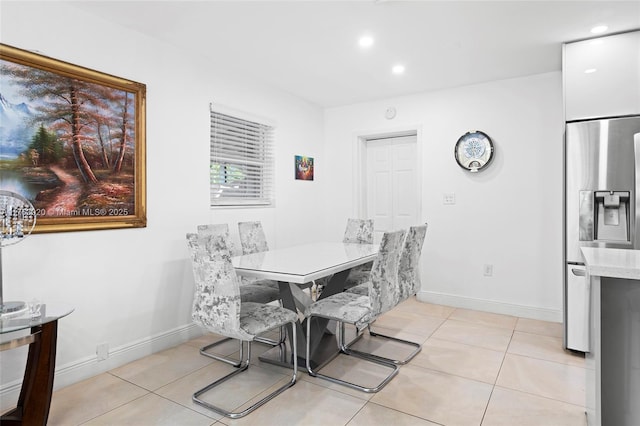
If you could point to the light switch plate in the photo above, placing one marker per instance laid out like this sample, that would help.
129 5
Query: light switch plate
449 198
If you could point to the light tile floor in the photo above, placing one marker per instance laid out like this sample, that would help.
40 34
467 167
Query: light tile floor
475 368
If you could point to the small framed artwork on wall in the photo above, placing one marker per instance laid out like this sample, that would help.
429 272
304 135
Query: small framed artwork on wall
304 167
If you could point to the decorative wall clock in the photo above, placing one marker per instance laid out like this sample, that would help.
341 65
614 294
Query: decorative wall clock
474 150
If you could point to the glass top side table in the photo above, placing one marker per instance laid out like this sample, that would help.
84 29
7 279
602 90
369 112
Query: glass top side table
37 386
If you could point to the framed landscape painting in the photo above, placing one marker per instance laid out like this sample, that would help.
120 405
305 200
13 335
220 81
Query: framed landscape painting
72 142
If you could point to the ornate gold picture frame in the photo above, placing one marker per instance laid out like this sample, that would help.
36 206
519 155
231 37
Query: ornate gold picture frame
72 141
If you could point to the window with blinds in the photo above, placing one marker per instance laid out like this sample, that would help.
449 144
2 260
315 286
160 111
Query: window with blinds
241 166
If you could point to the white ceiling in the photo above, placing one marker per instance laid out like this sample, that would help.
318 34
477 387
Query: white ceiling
309 48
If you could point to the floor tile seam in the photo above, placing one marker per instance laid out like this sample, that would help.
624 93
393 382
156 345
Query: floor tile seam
434 316
388 329
167 383
185 406
468 344
538 334
130 382
484 312
219 420
376 324
486 407
382 404
546 396
176 379
400 411
436 329
356 413
337 390
538 395
504 357
471 347
495 384
115 408
546 360
542 358
420 314
478 324
457 375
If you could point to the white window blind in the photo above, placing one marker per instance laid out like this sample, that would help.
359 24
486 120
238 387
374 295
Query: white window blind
241 166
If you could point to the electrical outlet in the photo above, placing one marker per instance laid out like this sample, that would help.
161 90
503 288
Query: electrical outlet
488 270
102 351
449 198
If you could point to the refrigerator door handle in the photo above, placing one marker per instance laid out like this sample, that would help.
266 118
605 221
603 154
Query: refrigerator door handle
636 173
587 315
578 272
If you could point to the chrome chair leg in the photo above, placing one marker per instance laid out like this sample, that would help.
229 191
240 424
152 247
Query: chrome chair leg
237 364
416 351
343 349
281 339
244 366
264 340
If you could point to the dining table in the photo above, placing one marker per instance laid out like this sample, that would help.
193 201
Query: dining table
301 264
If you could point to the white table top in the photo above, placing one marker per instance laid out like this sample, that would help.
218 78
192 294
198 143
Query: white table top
304 263
608 262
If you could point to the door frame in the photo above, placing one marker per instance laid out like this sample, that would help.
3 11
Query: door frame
360 170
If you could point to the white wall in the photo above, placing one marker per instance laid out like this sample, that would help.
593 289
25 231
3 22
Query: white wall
508 215
132 288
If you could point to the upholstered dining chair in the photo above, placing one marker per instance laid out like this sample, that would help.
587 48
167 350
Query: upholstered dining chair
409 266
361 310
217 307
254 240
357 231
223 229
408 282
252 237
218 248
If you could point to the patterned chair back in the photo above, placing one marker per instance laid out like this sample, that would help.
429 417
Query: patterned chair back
216 301
409 265
219 229
384 291
215 245
359 231
252 237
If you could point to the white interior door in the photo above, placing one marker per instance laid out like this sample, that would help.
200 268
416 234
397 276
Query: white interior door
392 198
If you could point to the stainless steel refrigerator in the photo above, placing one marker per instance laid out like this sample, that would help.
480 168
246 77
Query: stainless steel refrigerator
602 180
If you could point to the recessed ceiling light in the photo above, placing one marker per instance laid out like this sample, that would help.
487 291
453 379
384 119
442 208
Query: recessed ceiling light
590 71
398 69
599 29
365 41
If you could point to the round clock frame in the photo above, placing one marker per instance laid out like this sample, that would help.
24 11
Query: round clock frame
474 151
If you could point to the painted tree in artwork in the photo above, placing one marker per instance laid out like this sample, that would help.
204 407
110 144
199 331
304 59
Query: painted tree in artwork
125 130
114 126
75 109
47 145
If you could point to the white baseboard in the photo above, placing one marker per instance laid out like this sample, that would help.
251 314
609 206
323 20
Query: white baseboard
85 368
492 306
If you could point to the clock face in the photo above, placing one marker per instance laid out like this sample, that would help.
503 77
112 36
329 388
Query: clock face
474 151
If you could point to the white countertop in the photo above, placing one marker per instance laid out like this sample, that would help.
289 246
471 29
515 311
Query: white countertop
608 262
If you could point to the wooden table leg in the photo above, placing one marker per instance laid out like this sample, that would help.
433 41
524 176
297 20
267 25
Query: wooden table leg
37 386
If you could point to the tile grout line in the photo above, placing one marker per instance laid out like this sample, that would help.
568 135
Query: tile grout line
493 388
